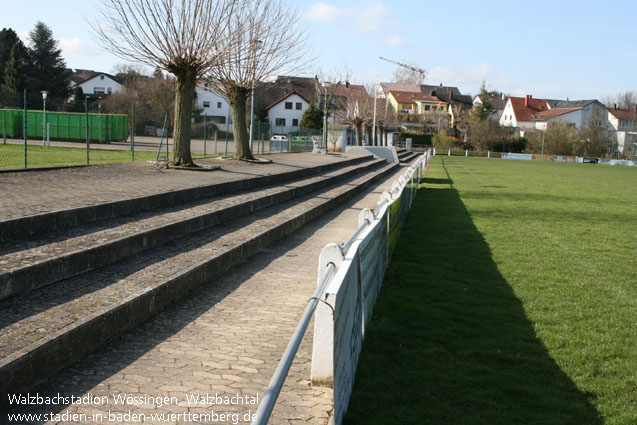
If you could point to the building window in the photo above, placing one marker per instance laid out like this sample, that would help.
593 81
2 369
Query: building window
101 77
98 90
109 90
280 122
299 106
427 107
288 105
218 105
295 122
206 104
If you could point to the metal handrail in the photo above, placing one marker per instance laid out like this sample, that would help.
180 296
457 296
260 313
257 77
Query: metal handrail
351 240
276 383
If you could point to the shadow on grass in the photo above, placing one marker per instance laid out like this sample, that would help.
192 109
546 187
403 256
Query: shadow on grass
449 342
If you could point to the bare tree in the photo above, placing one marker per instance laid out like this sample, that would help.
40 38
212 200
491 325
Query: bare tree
183 37
269 40
406 76
625 100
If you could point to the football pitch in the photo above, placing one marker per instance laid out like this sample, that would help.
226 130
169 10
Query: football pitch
510 299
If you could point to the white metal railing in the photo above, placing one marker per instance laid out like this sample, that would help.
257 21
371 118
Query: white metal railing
332 256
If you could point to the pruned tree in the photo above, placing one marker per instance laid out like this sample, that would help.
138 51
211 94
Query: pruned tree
269 40
186 38
357 114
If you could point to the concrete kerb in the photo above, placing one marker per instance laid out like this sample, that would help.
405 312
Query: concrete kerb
46 222
22 370
70 264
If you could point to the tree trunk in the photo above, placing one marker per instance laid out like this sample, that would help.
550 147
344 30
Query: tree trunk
184 96
238 100
358 130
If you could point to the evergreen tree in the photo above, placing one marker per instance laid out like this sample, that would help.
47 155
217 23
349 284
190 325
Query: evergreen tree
484 110
312 117
48 70
14 77
8 39
78 98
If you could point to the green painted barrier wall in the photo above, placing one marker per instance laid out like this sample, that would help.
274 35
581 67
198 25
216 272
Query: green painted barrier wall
104 128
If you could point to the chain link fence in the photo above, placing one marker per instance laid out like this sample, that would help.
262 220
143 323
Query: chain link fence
40 131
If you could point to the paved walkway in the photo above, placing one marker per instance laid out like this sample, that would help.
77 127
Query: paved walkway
224 340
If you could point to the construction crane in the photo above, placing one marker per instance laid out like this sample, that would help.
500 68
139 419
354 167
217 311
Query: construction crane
420 72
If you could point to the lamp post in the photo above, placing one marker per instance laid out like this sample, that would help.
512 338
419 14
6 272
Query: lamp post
44 94
256 44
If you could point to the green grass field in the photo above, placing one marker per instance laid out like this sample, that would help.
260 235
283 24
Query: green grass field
12 156
511 299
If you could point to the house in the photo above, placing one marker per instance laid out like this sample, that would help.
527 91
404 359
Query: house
285 113
214 107
96 83
527 113
520 112
413 106
624 124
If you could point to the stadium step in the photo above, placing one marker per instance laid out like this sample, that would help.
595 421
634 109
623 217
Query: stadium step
405 156
44 223
30 264
47 329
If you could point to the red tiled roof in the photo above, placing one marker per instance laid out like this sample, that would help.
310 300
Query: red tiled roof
409 97
524 113
544 115
624 114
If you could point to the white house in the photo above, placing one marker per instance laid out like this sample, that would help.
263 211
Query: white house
215 107
520 111
285 113
624 123
101 83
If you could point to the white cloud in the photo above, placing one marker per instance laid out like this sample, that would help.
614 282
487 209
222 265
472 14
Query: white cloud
372 18
73 46
395 41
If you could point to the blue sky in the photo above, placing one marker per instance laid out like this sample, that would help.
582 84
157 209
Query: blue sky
550 49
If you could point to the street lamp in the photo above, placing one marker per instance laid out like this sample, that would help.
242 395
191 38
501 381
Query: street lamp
255 45
44 94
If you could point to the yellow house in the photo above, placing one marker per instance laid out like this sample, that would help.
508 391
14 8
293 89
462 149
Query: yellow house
409 106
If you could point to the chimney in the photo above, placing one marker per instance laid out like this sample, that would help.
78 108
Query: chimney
526 100
440 84
433 92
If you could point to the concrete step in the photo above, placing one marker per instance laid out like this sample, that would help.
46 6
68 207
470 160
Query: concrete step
31 264
47 329
39 224
408 157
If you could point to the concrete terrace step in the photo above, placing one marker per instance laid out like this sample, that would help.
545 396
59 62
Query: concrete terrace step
43 223
47 329
404 156
28 265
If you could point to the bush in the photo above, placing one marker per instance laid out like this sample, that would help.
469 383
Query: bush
417 139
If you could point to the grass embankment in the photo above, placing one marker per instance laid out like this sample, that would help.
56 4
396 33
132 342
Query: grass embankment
12 156
511 299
